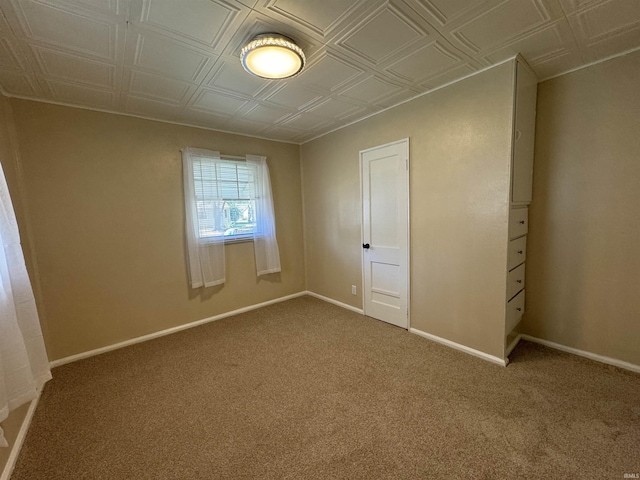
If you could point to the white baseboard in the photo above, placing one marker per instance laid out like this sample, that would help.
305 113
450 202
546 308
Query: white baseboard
582 353
335 302
443 341
471 351
22 434
512 345
162 333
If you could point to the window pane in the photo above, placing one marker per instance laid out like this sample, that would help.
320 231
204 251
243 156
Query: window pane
240 217
224 191
228 190
210 218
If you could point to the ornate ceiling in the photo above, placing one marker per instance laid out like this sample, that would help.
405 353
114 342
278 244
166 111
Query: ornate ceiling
178 60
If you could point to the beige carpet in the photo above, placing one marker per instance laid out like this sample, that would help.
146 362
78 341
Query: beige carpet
306 390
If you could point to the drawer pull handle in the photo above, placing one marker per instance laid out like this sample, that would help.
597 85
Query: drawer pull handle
519 309
521 222
520 252
518 281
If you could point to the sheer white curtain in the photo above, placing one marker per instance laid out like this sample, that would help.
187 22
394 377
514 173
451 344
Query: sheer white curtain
264 237
24 366
205 250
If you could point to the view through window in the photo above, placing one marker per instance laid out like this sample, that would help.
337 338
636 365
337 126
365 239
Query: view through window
225 198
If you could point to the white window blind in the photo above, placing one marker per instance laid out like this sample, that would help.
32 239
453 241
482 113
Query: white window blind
225 192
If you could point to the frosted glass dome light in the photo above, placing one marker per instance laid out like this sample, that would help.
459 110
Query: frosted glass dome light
271 55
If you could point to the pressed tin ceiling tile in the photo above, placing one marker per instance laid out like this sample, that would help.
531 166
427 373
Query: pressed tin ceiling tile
179 61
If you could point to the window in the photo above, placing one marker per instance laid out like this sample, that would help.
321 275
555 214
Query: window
226 199
225 192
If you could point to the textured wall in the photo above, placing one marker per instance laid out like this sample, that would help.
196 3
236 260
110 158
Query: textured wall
106 208
583 270
460 155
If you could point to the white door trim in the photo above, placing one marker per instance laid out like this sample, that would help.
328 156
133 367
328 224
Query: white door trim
404 141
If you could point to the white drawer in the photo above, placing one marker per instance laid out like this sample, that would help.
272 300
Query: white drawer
515 309
517 252
518 222
515 281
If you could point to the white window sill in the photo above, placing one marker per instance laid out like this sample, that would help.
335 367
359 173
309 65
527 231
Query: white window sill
238 240
234 239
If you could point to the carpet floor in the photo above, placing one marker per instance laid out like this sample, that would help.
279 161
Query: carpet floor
307 390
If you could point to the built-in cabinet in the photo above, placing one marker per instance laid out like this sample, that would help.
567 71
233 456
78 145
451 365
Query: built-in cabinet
520 197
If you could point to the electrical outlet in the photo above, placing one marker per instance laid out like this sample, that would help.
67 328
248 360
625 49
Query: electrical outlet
353 290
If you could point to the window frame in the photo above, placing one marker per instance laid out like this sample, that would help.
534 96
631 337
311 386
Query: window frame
235 238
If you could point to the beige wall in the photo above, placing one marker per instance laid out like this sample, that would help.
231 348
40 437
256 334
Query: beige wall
106 210
459 179
583 265
9 155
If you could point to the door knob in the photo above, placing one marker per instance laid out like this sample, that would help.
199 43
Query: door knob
366 245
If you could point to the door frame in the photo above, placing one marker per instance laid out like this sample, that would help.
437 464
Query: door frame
404 141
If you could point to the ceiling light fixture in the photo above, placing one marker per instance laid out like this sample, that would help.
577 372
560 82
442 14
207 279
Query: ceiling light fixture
271 55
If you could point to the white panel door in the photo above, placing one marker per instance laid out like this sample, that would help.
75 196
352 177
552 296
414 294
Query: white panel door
385 228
